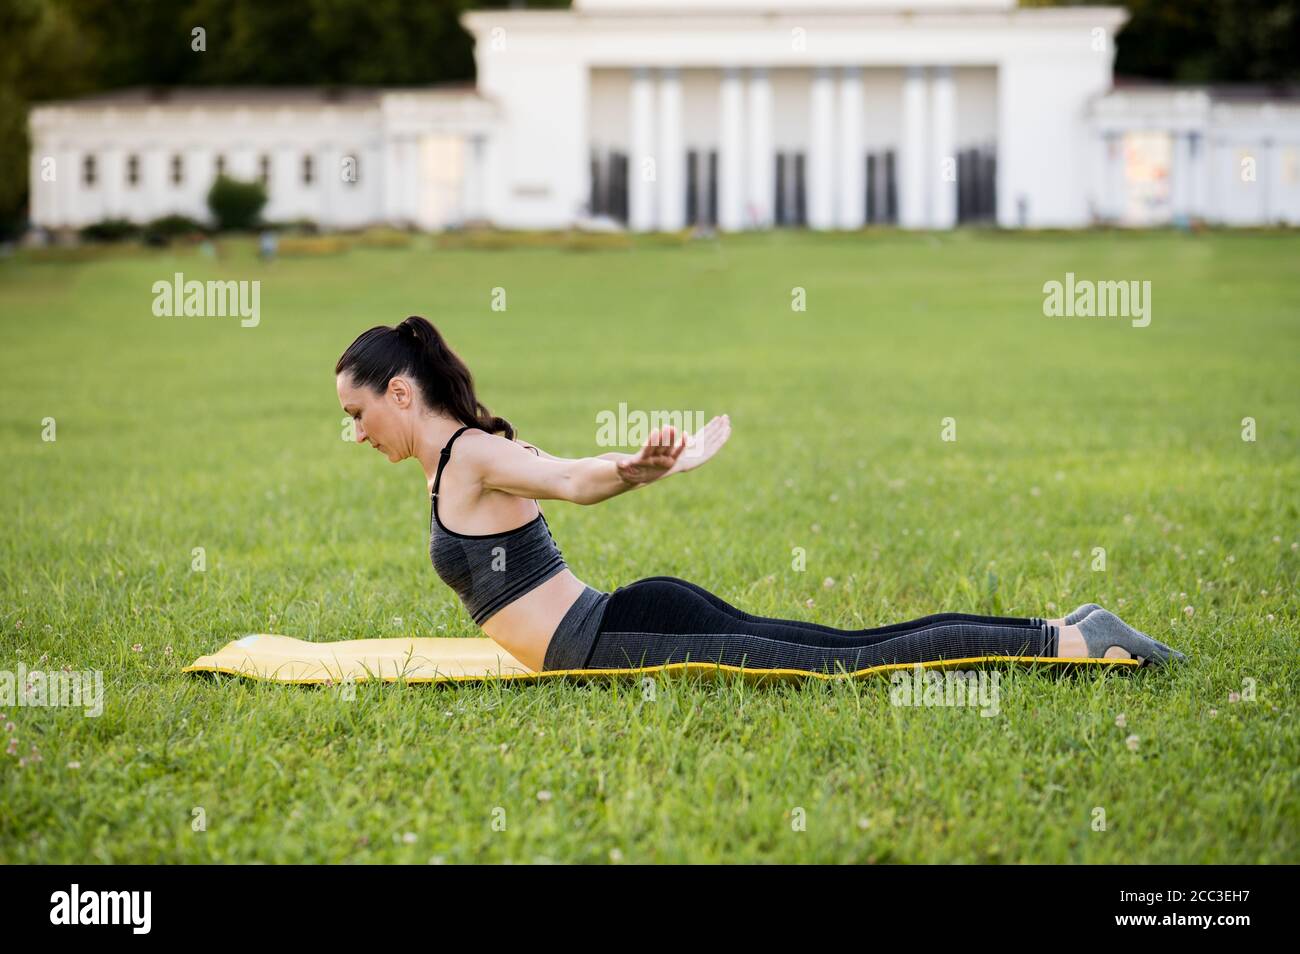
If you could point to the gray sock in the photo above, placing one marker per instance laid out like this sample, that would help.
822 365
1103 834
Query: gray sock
1102 630
1080 613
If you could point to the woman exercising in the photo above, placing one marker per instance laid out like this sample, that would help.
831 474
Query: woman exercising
410 395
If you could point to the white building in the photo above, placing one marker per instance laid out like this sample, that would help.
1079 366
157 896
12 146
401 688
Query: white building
738 113
341 158
1228 156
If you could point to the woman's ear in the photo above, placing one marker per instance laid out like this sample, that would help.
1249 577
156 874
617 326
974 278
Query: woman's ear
401 391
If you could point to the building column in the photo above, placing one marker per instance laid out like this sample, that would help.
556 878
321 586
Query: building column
942 173
731 152
759 195
912 166
642 173
112 180
1196 166
821 149
1117 197
399 171
671 157
196 180
1219 176
42 205
1264 179
851 175
46 198
323 171
471 199
52 200
1180 185
151 196
72 195
279 189
241 163
416 187
392 175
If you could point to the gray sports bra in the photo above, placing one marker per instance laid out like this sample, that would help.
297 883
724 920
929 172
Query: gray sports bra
489 570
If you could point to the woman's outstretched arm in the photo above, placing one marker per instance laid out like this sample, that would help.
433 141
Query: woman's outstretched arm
505 465
699 447
612 455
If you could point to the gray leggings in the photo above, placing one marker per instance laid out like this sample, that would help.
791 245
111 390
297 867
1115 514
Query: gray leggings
660 620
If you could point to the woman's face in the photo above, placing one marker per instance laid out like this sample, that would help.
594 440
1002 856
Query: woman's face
385 421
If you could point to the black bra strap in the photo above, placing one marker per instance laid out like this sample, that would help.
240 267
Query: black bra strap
446 454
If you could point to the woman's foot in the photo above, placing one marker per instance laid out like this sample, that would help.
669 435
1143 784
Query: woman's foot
1102 634
1080 614
1076 617
1071 645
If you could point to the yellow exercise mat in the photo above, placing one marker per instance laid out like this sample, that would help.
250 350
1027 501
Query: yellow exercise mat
470 659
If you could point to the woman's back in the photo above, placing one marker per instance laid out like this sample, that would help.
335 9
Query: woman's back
514 583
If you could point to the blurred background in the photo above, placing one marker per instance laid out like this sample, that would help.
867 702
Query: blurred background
650 115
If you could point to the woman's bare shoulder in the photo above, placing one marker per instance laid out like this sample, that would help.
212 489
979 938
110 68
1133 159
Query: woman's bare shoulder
537 450
483 443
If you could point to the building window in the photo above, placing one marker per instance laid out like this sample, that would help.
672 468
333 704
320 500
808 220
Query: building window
221 165
702 187
133 170
351 169
609 186
178 170
307 171
881 188
88 172
790 202
977 179
264 169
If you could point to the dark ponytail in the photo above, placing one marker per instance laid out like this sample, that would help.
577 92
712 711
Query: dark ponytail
416 348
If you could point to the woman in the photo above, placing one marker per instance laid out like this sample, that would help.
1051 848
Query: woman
411 396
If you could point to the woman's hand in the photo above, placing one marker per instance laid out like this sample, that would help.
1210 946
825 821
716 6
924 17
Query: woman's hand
657 458
704 444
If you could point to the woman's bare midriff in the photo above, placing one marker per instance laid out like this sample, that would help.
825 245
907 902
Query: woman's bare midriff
524 627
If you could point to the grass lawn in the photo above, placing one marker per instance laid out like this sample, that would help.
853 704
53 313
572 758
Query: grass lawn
1071 434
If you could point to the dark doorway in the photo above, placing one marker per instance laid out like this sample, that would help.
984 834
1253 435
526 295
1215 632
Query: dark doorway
881 188
790 200
702 187
609 184
977 176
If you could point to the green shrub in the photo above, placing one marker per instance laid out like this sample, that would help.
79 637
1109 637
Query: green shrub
91 252
109 230
169 227
383 238
574 240
598 241
670 239
295 226
314 245
236 205
500 239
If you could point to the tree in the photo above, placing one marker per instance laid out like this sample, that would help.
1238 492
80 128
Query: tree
236 205
1205 41
45 56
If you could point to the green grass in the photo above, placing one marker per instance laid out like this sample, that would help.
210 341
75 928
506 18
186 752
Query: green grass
176 433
